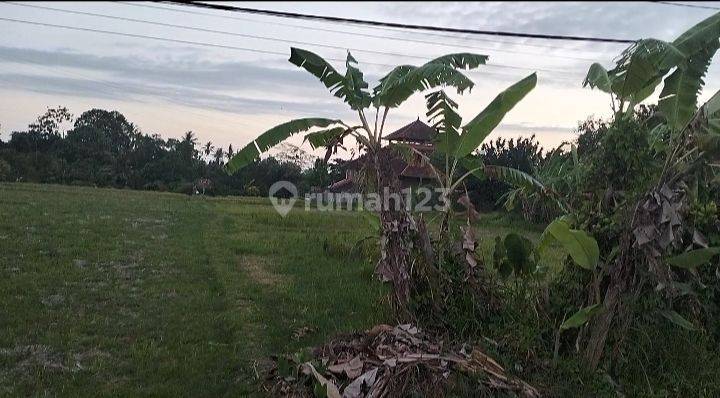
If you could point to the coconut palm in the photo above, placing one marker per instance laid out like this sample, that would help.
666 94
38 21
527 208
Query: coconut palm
218 156
208 148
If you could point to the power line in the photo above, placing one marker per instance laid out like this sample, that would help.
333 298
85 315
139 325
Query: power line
107 32
245 35
362 34
686 5
198 29
285 14
228 47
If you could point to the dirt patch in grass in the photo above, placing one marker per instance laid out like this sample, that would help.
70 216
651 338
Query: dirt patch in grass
258 268
29 357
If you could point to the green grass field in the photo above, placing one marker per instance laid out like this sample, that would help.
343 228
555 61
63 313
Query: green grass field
121 292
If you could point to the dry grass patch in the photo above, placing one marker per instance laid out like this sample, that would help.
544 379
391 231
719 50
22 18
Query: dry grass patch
258 268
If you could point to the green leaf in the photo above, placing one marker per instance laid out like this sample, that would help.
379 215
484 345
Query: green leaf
322 138
581 247
678 99
581 317
405 80
350 88
546 238
597 76
442 112
461 60
285 368
419 79
712 106
356 93
475 165
677 319
642 93
273 137
319 68
642 65
694 258
518 250
640 69
514 177
372 219
320 390
699 36
711 109
483 124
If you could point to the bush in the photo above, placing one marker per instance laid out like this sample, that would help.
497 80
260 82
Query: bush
523 154
185 187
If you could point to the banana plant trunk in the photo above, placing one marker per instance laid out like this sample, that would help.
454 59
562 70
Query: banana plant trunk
397 226
620 274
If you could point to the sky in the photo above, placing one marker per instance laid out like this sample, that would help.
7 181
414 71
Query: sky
227 92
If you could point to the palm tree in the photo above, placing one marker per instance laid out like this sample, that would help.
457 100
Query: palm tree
208 148
219 156
190 138
372 109
186 147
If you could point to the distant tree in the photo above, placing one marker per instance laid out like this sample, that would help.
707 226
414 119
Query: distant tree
317 176
44 134
190 138
50 122
208 148
524 154
113 125
103 148
219 156
89 153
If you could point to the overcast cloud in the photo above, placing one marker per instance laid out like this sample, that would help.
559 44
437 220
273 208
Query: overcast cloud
229 95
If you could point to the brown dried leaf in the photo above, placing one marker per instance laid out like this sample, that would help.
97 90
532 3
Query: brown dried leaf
352 368
472 213
332 390
644 234
699 239
355 389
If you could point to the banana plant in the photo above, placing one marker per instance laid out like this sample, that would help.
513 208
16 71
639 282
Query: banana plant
691 148
680 65
391 91
457 143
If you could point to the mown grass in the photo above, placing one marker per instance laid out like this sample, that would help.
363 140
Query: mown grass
121 293
125 293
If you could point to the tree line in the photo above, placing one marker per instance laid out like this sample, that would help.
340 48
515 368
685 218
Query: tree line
103 149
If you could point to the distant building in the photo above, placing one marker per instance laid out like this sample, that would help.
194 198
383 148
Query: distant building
416 171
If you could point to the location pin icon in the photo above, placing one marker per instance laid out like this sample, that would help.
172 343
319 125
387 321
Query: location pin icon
283 205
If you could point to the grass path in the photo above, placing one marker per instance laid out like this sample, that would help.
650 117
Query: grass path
124 293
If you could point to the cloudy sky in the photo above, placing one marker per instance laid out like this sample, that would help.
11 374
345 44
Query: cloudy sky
218 85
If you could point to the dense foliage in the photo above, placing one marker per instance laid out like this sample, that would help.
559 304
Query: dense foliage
104 149
524 154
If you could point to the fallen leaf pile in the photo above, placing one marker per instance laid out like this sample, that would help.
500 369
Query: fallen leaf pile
387 361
